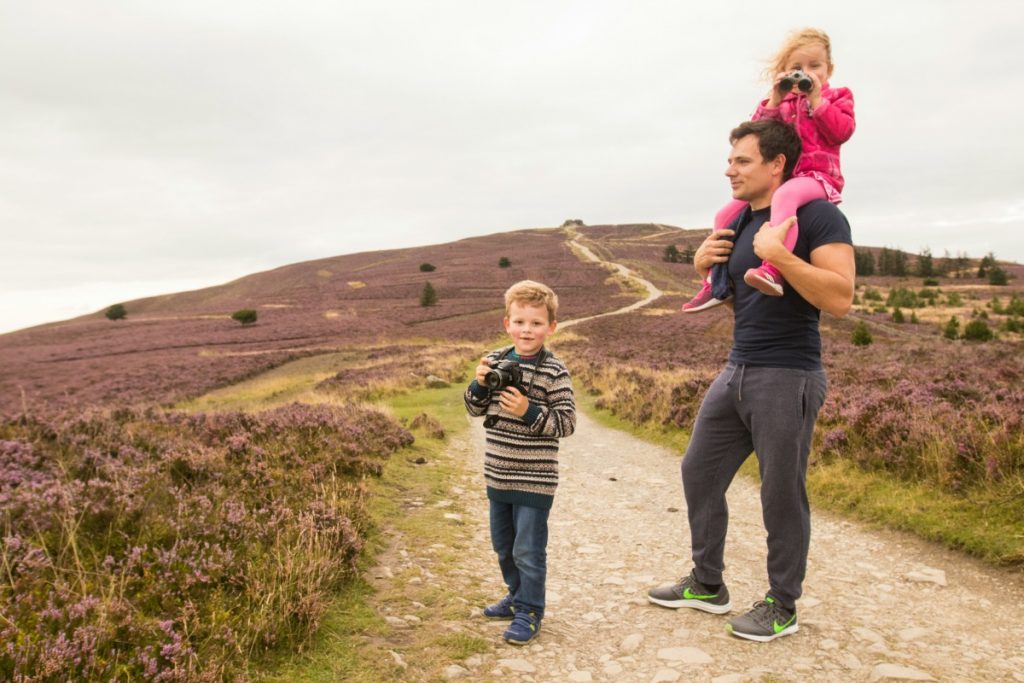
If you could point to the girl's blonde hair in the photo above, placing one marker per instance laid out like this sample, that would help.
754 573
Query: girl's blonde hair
794 41
533 294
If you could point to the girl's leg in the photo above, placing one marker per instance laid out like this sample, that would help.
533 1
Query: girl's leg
793 194
717 281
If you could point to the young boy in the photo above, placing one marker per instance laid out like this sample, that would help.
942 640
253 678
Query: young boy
524 422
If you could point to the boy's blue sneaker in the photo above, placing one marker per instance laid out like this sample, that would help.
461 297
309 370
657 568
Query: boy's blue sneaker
503 609
524 628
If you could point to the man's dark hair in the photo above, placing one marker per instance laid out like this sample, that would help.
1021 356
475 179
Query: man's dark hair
774 138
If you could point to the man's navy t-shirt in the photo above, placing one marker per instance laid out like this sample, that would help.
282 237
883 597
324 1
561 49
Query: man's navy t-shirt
780 331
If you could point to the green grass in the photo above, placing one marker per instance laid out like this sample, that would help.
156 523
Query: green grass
984 522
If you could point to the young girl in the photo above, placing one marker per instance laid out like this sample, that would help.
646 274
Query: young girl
823 117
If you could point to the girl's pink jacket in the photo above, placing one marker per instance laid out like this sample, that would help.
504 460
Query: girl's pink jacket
821 132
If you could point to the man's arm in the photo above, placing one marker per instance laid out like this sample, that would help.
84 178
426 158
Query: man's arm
826 282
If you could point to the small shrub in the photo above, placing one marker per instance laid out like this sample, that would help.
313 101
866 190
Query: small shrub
503 262
428 297
913 318
427 268
246 316
954 299
997 276
930 282
952 328
901 297
116 312
977 330
897 315
861 335
871 294
1013 324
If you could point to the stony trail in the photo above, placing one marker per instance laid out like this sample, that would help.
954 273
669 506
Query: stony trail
877 605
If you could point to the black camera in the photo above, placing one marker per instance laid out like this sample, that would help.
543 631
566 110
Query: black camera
797 78
504 373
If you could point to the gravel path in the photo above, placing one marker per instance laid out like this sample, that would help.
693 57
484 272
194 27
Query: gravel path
877 605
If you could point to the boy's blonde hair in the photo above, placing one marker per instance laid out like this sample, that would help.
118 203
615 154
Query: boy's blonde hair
794 41
533 294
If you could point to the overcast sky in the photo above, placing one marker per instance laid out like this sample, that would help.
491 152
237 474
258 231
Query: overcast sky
152 146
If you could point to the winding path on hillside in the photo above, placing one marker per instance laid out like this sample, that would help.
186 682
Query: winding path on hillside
653 293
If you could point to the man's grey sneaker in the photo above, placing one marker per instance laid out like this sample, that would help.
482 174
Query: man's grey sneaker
524 628
690 592
767 621
503 609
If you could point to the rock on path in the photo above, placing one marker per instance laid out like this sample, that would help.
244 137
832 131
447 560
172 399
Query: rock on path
876 606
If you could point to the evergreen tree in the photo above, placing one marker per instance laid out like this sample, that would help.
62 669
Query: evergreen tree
865 261
925 266
952 328
428 297
861 335
672 254
116 312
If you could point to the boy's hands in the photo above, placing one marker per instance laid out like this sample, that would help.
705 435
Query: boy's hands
512 401
481 370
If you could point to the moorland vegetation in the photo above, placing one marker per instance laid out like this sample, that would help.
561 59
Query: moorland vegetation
181 495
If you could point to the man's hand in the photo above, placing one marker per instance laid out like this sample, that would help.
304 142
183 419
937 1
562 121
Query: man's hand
769 239
714 249
512 401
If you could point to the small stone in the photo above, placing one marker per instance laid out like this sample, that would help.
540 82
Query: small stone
474 661
591 617
808 602
396 622
455 671
687 655
398 660
895 672
912 633
666 676
729 678
435 382
581 677
612 668
928 575
411 618
614 581
590 549
383 573
868 634
520 665
631 642
453 516
672 509
828 644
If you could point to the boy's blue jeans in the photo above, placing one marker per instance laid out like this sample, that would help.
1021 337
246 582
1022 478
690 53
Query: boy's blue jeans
519 534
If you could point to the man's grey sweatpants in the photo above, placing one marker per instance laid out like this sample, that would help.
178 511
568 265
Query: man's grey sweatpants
770 411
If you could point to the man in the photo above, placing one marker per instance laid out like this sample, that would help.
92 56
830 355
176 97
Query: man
767 398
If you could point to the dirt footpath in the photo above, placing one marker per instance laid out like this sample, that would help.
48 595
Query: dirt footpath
876 605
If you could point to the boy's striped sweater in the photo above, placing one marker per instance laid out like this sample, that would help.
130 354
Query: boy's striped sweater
521 458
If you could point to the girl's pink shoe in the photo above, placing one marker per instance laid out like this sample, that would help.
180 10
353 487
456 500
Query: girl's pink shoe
765 280
703 301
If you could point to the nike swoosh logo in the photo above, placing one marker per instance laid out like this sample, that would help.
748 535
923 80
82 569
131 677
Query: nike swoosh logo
776 626
691 596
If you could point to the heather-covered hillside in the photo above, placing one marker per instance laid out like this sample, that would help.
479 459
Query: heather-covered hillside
180 345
